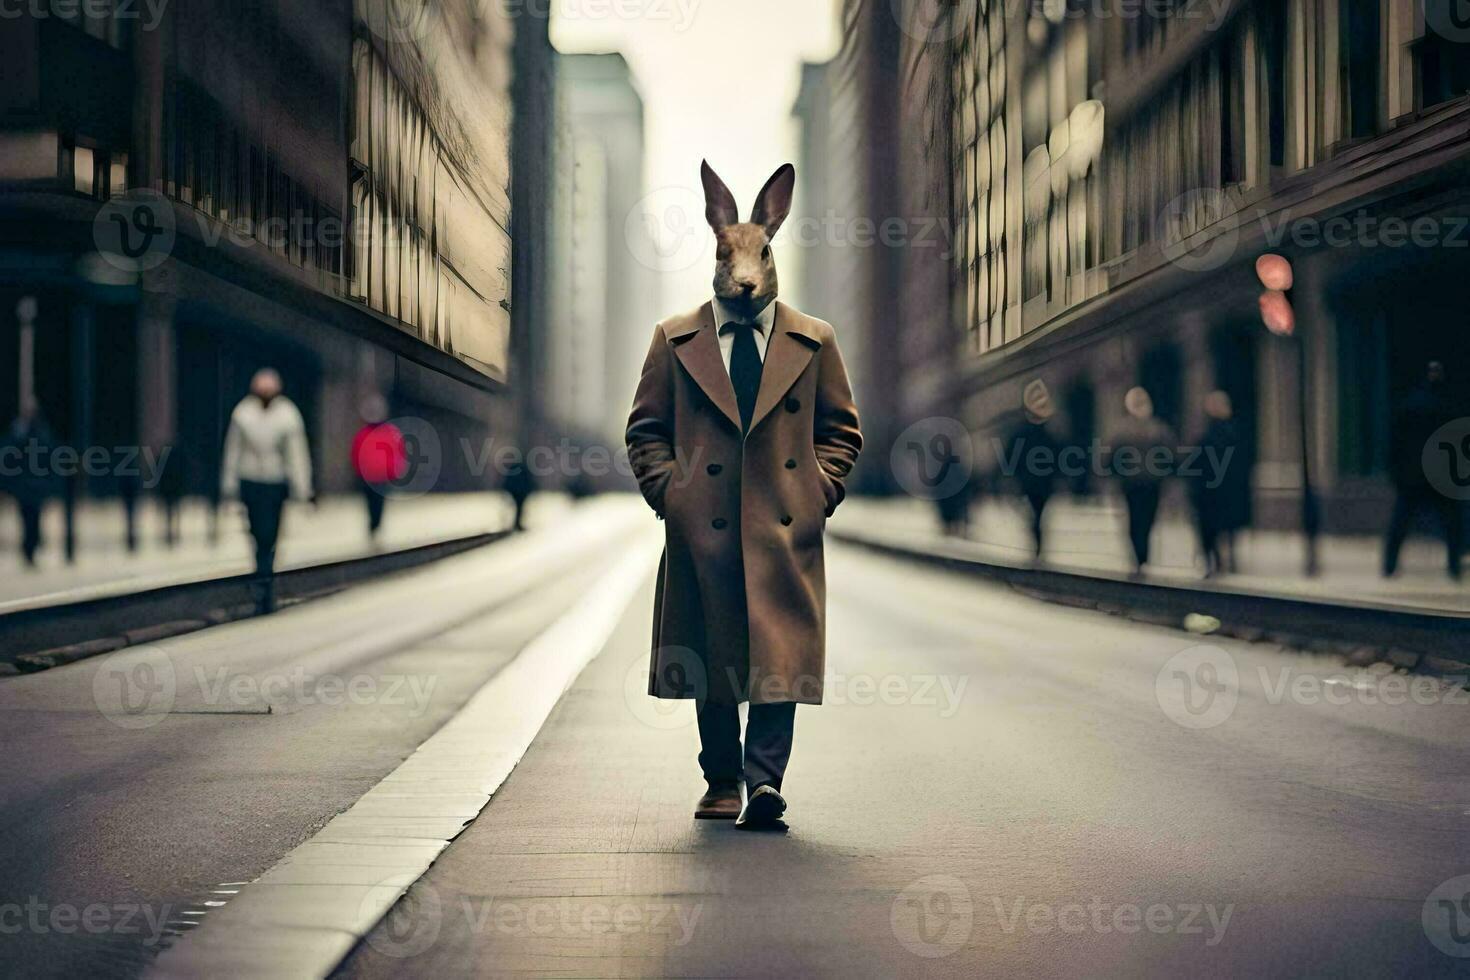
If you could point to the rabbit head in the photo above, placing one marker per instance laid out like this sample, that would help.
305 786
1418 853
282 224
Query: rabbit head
745 271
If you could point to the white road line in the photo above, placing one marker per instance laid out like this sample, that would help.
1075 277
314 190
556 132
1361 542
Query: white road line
302 917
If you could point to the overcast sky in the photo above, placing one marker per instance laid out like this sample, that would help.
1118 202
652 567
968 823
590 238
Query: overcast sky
718 79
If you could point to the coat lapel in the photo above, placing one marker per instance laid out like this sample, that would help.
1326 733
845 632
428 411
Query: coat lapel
699 352
787 355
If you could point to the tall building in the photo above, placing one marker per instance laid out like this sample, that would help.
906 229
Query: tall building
606 296
1111 182
194 190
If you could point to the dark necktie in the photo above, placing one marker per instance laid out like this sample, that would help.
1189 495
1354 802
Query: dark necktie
745 370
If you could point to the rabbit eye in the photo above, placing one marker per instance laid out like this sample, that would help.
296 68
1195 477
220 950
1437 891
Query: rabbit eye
766 254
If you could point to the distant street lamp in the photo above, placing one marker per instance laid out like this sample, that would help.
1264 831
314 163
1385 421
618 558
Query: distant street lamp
1277 312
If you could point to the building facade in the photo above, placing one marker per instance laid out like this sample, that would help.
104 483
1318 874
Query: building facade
605 300
324 186
1113 171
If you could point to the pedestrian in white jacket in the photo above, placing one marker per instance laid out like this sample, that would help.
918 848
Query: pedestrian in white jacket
266 460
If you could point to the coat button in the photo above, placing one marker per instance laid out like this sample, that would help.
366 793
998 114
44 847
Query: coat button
713 469
719 523
793 405
786 520
791 464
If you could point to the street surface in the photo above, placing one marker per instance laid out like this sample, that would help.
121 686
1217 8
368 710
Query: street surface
996 786
268 728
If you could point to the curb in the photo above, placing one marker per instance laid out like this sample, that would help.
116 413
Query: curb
1363 632
307 913
50 636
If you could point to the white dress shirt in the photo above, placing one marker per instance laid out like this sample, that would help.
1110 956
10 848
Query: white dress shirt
764 321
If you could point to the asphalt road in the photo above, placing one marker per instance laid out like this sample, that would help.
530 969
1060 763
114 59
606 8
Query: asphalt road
135 790
996 787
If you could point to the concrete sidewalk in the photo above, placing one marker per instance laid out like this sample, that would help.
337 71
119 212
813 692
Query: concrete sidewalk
1090 536
335 530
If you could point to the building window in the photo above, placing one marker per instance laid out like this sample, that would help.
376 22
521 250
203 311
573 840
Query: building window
84 170
1273 25
1360 36
1443 54
1232 113
981 143
97 18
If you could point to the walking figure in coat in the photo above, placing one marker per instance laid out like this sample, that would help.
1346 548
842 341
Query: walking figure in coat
742 432
266 461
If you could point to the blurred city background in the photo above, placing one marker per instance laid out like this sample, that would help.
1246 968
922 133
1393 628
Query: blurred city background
477 211
1155 314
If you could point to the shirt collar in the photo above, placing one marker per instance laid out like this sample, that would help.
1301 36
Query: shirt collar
764 320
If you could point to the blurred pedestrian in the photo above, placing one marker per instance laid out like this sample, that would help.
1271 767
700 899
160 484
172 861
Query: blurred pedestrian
519 482
378 457
1141 443
580 487
1221 489
25 463
266 461
1033 450
954 510
171 484
1427 407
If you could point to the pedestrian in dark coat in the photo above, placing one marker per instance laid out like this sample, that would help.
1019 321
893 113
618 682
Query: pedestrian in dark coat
1033 451
742 432
1143 455
26 468
1423 412
1221 489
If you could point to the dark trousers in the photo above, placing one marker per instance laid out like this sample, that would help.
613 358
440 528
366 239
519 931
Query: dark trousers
1143 508
1037 499
263 505
30 530
1217 544
1408 502
374 494
768 734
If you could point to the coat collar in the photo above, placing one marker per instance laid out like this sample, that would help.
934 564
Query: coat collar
764 320
788 352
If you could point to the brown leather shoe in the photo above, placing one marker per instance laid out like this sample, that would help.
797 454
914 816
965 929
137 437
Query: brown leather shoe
720 802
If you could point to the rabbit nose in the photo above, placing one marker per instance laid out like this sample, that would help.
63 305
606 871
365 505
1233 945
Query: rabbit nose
747 285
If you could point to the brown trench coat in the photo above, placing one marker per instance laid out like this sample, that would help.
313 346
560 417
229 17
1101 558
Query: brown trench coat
740 608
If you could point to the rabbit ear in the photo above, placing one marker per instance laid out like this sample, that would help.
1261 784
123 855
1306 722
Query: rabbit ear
773 203
719 203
